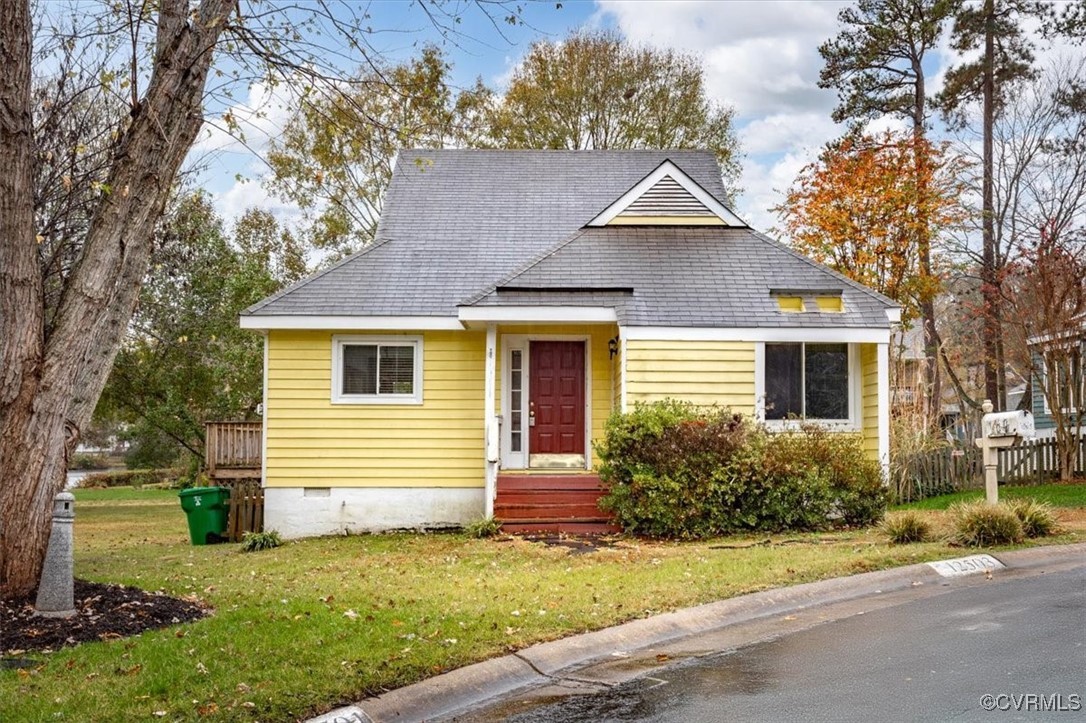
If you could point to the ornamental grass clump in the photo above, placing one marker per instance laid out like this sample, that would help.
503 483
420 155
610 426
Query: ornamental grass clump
1038 518
483 528
979 524
907 527
256 541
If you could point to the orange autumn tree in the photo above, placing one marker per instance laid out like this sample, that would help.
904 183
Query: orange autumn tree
863 208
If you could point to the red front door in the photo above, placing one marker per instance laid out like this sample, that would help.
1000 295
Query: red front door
556 397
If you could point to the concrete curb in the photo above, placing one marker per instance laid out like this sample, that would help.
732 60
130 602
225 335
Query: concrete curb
473 685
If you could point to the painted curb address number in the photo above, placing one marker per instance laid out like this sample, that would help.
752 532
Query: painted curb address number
962 566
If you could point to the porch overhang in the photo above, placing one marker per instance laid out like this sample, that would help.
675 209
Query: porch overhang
477 317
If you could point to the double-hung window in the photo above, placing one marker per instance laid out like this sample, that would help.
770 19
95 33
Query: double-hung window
376 370
807 381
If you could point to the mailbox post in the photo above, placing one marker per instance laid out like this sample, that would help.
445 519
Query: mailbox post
999 430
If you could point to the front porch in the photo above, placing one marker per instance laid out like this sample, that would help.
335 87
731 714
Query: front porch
552 502
550 388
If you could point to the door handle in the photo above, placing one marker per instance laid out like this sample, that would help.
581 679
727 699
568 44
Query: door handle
531 414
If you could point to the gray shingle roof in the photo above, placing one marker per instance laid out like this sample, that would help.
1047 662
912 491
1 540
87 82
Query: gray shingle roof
476 227
686 276
454 221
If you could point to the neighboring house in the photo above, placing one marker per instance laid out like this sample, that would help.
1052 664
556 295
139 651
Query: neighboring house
1071 383
512 300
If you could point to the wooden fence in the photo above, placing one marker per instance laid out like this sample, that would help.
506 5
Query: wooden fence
946 470
232 452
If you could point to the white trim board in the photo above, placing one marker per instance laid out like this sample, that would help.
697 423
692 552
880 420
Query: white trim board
687 333
352 323
667 168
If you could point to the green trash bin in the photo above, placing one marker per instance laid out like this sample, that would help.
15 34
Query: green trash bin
206 508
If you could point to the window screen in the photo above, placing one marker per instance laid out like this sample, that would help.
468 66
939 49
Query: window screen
359 369
783 380
826 381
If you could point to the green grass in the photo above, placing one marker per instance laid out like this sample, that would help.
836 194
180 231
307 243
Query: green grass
125 494
312 625
1057 495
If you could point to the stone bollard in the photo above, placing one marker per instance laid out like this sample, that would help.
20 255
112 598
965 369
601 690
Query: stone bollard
56 591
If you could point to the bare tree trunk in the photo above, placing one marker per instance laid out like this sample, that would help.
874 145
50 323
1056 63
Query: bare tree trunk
988 274
21 311
61 378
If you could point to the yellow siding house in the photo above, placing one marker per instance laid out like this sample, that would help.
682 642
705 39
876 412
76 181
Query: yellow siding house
464 363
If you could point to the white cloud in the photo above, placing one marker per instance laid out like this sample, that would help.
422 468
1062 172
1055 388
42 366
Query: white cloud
260 117
765 184
232 203
762 57
781 131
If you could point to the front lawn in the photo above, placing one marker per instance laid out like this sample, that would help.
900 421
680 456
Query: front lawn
1057 495
315 624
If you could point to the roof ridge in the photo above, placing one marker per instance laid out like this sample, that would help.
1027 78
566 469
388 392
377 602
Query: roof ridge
303 282
823 267
518 270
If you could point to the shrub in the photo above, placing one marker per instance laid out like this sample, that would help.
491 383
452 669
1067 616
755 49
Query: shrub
130 478
675 470
905 527
979 524
1038 518
859 497
256 541
84 461
483 527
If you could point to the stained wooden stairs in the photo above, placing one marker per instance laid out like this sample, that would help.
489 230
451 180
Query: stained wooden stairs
552 503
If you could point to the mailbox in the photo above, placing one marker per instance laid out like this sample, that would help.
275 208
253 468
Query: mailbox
1008 424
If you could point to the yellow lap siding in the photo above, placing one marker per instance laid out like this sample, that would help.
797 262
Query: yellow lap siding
314 443
702 372
869 371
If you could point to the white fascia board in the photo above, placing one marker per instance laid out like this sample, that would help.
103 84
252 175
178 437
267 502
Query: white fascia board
377 323
667 168
541 314
770 334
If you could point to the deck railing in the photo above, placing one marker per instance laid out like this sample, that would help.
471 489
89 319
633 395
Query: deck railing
232 449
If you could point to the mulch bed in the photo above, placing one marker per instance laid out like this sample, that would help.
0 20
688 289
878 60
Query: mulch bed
103 612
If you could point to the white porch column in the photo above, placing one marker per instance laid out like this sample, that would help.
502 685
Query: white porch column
491 439
882 357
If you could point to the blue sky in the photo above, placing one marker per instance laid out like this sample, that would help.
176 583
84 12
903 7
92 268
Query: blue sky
760 57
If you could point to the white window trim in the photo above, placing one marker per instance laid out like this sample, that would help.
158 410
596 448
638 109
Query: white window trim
341 340
852 424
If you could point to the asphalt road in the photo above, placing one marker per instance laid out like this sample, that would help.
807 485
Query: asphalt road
1008 649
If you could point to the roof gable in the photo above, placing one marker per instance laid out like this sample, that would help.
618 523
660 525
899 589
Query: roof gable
667 196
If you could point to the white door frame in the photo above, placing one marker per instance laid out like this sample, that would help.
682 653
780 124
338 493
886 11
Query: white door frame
509 342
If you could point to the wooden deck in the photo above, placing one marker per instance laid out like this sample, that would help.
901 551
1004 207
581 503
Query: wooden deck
552 503
232 452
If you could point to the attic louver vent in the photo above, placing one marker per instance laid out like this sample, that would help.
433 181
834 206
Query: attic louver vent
667 198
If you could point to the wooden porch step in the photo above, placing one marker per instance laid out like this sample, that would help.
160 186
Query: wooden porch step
572 527
534 496
549 511
538 482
